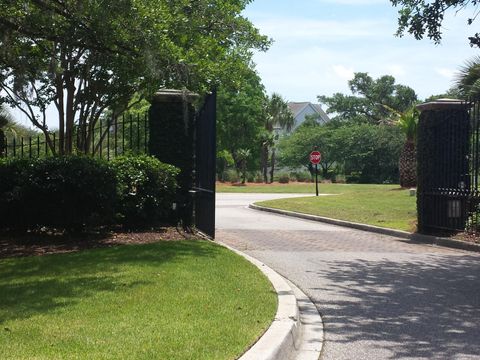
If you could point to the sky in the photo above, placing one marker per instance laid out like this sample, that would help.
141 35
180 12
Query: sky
319 44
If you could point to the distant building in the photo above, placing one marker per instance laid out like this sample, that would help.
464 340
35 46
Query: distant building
301 110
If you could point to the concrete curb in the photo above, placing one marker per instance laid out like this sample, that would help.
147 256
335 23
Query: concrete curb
285 338
426 239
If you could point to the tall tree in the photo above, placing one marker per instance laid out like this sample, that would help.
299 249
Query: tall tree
279 117
424 17
407 165
240 117
369 99
295 149
99 54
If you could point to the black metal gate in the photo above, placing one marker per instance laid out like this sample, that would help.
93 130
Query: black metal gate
205 162
448 154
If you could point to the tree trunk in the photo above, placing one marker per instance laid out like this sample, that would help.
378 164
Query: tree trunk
244 171
407 165
265 163
272 169
70 118
2 144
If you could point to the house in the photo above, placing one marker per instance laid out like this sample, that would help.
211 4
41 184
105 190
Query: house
301 110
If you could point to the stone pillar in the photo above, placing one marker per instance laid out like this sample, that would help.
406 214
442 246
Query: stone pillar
442 165
171 126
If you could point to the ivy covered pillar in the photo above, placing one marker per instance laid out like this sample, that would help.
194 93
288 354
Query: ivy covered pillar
171 125
443 165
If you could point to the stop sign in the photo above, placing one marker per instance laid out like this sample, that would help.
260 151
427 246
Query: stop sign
315 157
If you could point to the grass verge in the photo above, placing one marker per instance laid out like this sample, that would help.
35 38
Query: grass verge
380 205
167 300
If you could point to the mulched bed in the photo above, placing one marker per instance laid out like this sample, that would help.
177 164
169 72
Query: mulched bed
36 244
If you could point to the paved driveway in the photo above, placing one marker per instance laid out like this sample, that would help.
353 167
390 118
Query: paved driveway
380 297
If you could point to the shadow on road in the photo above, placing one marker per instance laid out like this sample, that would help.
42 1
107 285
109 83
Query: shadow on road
412 308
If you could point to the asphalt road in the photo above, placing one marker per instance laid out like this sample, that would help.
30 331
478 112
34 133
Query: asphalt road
380 297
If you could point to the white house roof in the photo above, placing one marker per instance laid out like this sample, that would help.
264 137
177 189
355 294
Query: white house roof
297 108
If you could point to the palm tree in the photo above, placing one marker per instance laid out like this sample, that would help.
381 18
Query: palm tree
407 164
468 79
278 116
242 156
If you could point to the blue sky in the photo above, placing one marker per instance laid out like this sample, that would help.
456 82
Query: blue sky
319 44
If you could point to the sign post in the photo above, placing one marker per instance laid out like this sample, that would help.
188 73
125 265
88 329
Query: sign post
315 158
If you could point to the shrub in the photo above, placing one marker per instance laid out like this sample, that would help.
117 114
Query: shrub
302 176
231 176
283 178
146 190
258 177
59 192
353 178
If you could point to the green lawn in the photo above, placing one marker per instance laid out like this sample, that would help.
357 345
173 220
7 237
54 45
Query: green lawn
168 300
380 205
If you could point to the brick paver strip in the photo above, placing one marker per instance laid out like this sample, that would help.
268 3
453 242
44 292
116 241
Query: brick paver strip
380 297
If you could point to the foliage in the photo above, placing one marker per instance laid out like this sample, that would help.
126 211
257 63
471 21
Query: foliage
240 117
301 176
279 117
467 82
424 18
278 114
242 156
59 192
224 160
295 149
370 100
283 178
5 116
372 151
99 54
231 175
74 192
369 150
145 190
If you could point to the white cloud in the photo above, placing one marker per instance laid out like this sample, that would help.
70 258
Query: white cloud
282 29
446 73
345 73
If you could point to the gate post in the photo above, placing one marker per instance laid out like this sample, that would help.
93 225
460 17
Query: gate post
171 126
443 166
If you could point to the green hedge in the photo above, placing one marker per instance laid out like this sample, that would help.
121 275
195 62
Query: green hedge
145 190
75 192
60 192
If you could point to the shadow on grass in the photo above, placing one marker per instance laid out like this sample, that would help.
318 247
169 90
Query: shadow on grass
39 285
421 309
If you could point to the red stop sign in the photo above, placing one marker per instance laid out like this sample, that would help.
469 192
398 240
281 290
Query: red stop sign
315 157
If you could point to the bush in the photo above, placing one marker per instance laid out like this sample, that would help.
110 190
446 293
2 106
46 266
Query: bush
231 176
146 190
283 178
353 178
59 192
303 176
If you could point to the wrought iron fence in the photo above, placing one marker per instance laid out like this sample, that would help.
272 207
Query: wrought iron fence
112 137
